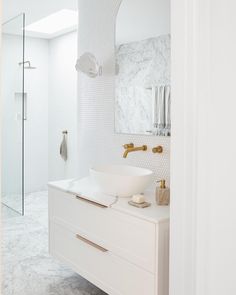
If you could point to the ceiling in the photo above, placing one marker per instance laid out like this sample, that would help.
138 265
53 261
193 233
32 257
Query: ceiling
136 20
35 10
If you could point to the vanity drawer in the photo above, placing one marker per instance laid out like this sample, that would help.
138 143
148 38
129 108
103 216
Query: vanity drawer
126 236
109 272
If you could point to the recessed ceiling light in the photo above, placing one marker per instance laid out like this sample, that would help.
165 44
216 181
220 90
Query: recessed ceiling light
56 22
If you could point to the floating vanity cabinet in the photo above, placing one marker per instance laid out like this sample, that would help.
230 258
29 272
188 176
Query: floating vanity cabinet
121 249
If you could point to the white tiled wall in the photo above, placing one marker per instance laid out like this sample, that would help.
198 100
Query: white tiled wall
97 141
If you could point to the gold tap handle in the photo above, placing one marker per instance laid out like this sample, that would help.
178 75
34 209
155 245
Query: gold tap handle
144 147
157 149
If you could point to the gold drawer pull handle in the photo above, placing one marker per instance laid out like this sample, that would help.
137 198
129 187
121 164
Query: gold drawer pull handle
91 243
90 202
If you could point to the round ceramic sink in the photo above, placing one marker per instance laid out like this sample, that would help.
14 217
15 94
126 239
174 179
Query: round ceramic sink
121 180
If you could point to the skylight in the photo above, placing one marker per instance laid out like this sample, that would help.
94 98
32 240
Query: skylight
56 22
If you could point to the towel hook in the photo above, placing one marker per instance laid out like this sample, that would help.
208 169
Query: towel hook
64 132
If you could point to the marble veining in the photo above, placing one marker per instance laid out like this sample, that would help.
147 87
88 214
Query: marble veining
142 65
27 267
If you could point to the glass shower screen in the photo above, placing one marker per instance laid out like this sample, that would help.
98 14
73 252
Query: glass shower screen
12 91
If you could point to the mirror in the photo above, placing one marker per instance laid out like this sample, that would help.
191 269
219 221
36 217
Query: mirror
143 50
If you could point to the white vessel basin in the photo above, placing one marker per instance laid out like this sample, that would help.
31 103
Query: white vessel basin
121 180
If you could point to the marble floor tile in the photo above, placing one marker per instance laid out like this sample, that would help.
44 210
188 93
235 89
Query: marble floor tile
7 212
13 201
27 267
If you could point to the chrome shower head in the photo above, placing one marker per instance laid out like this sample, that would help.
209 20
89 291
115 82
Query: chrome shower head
28 67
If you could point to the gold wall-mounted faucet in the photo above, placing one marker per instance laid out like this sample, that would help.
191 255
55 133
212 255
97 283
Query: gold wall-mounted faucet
131 148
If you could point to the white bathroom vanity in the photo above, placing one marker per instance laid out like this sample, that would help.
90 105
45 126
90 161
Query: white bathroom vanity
119 248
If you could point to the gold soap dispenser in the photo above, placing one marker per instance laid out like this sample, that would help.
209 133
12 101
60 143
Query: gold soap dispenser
162 194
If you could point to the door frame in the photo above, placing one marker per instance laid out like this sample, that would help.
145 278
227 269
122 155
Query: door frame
190 32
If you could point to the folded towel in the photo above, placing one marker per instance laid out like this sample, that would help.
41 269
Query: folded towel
63 148
161 110
167 111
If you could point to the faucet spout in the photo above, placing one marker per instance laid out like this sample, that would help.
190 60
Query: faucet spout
125 154
131 148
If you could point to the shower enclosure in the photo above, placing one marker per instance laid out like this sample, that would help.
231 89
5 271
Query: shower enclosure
13 114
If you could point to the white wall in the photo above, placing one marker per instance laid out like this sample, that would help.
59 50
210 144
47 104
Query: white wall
97 140
36 139
62 104
36 125
139 20
203 219
1 136
51 107
220 134
11 75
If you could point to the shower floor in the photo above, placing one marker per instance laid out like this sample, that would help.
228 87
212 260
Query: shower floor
13 201
28 268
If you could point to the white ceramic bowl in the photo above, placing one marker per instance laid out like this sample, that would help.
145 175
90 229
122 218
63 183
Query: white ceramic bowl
121 180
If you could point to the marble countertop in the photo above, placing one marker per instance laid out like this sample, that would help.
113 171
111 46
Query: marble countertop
86 188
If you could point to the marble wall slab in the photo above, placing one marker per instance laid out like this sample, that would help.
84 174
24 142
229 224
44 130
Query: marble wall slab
142 65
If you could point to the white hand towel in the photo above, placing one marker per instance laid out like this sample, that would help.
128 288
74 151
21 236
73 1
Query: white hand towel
158 109
161 109
63 148
167 111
